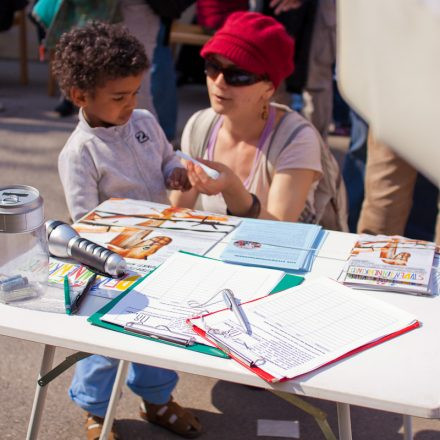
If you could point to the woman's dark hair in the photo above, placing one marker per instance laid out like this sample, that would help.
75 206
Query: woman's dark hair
87 57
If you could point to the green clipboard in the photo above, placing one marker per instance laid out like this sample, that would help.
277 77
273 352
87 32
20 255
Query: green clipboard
95 319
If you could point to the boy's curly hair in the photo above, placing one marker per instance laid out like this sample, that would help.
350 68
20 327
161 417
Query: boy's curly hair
89 56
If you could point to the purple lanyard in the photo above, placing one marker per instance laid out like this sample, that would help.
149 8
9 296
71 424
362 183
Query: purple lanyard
264 135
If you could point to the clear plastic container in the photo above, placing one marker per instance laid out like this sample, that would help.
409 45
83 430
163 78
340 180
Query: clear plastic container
24 256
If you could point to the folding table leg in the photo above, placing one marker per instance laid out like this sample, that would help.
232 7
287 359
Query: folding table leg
407 428
319 415
344 421
40 394
116 392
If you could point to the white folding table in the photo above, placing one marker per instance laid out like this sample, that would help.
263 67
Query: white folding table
399 376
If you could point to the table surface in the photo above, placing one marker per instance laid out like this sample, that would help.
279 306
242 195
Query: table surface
398 376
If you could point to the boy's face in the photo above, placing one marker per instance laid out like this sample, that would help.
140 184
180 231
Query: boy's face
111 104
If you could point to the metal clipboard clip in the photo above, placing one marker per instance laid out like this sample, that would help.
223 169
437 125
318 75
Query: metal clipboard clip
229 350
156 333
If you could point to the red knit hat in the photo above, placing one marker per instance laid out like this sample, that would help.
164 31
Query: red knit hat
256 43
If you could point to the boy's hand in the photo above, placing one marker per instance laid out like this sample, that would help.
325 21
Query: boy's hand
178 179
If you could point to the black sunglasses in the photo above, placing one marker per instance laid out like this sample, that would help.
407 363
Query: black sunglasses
233 76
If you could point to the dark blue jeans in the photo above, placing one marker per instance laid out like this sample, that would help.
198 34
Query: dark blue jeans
353 170
163 86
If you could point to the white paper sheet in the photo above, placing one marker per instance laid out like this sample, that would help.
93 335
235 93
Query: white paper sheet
305 327
278 428
187 285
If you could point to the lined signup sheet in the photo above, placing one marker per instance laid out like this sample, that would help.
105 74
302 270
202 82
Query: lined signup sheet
303 328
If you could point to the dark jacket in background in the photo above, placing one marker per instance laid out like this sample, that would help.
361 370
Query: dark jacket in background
299 24
7 11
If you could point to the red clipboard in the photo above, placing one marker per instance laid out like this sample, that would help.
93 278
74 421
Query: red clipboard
259 370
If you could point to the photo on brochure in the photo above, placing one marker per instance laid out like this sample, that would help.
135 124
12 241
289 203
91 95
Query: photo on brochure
390 261
151 246
142 214
143 249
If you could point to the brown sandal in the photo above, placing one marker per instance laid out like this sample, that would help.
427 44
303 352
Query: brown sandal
94 426
172 417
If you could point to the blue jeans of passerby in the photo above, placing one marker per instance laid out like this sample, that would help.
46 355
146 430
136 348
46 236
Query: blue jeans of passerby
353 170
94 376
163 86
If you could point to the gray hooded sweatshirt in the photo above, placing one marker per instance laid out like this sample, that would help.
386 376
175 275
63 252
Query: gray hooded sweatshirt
131 160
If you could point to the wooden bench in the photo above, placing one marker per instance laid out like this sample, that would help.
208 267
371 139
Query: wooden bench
183 33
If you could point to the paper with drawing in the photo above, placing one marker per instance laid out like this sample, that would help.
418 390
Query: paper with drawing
187 285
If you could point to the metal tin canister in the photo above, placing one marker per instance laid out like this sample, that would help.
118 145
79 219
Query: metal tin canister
21 209
23 245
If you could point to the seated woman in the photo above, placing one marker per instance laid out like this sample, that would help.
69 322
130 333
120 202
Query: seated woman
270 159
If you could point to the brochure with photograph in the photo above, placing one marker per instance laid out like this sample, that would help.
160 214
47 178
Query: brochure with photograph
143 249
143 214
150 246
390 263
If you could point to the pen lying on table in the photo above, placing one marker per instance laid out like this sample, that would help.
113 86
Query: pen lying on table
67 304
80 297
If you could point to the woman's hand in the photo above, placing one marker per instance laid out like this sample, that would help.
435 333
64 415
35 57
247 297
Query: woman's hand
225 183
237 198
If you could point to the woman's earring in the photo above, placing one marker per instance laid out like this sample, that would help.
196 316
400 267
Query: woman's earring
265 112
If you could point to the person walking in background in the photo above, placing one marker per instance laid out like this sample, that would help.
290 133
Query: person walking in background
137 15
322 57
389 190
163 73
313 25
212 14
353 169
143 23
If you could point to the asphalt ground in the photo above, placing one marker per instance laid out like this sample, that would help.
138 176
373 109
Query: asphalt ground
31 137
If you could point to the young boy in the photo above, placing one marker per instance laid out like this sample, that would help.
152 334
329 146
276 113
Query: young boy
115 151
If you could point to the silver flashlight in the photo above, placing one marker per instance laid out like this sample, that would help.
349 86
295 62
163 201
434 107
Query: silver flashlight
65 242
